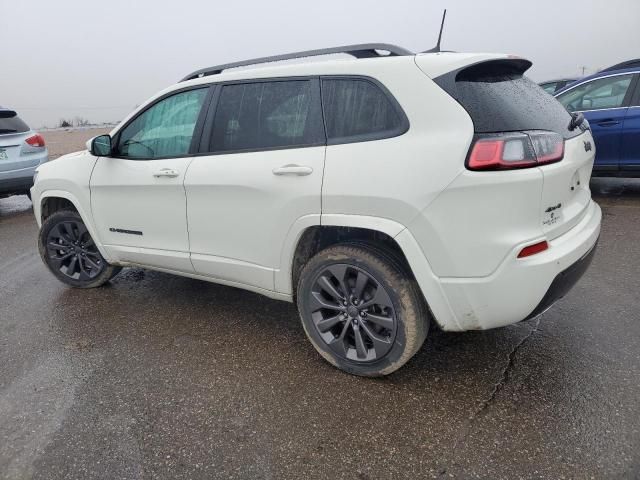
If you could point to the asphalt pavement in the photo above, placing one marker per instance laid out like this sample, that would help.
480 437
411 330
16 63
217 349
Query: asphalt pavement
156 376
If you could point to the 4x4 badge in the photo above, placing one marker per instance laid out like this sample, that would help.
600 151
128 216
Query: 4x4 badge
587 146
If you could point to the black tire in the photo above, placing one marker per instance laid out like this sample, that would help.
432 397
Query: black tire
66 247
401 314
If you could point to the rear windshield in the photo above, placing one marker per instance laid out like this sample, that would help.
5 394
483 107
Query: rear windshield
12 124
503 101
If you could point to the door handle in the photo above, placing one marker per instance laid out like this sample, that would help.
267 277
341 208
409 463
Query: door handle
292 169
166 172
609 122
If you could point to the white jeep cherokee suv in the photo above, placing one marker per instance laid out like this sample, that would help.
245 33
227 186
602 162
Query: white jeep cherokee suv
381 194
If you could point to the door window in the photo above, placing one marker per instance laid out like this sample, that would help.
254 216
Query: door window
549 87
597 94
165 129
359 110
266 115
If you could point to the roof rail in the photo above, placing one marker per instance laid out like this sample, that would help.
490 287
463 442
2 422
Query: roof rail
364 50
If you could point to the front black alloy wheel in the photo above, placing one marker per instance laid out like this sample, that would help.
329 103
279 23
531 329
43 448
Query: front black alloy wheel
70 253
361 310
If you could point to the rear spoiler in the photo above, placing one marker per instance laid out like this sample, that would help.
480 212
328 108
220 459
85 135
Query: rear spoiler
485 69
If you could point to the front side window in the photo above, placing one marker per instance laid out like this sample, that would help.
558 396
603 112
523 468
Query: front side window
165 129
266 115
549 87
357 109
597 94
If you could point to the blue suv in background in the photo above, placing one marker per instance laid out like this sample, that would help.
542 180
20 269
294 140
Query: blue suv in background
610 101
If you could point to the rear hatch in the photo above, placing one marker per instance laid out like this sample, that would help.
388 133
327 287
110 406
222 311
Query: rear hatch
15 153
534 130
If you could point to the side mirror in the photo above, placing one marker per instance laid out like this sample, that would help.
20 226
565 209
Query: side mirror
101 146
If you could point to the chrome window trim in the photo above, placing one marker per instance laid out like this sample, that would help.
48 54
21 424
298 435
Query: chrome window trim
602 109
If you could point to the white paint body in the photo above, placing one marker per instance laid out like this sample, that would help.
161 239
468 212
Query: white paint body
229 219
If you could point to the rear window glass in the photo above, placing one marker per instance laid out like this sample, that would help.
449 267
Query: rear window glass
357 110
266 115
510 102
12 125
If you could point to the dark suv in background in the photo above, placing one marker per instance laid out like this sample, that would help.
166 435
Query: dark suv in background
610 101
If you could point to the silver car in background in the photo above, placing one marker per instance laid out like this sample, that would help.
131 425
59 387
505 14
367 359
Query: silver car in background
21 151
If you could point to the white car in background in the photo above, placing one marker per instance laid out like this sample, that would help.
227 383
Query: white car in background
382 194
21 151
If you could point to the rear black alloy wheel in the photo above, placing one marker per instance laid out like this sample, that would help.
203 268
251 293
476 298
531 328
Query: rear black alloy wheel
72 251
353 313
71 254
361 309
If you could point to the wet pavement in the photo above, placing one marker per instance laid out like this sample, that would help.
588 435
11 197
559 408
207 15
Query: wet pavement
156 376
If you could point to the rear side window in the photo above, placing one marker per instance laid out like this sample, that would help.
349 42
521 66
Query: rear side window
267 115
608 92
550 87
11 123
500 99
359 110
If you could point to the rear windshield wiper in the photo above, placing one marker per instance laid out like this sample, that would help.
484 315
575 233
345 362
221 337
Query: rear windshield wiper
8 130
576 120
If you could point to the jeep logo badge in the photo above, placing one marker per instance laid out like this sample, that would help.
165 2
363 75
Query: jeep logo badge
587 146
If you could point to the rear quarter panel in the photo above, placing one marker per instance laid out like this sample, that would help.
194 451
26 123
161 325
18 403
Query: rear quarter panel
397 178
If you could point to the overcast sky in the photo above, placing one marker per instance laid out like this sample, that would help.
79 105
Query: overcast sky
64 58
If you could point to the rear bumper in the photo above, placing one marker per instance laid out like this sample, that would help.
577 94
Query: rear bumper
16 185
21 180
523 287
564 282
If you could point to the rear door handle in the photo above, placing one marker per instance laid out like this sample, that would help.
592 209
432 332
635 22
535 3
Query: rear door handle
166 172
292 169
609 122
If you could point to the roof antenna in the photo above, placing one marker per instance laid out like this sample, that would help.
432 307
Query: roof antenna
436 49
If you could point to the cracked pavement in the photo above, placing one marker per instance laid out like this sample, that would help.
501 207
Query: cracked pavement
157 376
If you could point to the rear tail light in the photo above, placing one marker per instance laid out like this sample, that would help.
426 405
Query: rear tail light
506 151
533 249
36 140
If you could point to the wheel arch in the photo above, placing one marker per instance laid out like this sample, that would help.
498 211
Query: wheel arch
391 235
335 229
52 201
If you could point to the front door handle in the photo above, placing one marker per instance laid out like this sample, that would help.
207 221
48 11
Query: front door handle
609 122
166 172
292 169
